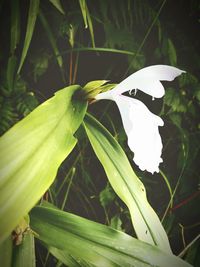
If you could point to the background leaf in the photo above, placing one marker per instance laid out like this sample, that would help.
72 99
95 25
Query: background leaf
51 39
15 25
87 19
58 5
32 15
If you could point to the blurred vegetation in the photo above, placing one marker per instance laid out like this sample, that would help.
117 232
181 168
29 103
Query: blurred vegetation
47 45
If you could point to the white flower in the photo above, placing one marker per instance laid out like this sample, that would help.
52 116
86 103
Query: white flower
140 124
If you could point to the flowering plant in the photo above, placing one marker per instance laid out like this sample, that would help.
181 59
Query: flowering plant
140 124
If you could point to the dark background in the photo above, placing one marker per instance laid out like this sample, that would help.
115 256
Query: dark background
180 22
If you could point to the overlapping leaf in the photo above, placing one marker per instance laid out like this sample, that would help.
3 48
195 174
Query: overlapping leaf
79 242
32 151
126 184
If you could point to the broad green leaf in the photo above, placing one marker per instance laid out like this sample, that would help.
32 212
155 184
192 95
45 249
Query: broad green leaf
95 243
24 254
51 38
31 152
15 25
32 15
58 5
126 184
6 252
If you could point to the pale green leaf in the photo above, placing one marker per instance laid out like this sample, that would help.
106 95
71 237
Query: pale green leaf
93 88
32 15
31 152
126 184
90 86
94 243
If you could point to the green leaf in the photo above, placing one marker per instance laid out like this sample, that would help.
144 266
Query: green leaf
32 15
108 87
11 72
197 92
95 243
119 37
188 79
176 101
103 49
84 11
90 86
116 223
58 5
87 19
172 52
51 38
15 25
68 259
106 196
126 184
6 252
40 65
193 254
24 254
93 88
31 152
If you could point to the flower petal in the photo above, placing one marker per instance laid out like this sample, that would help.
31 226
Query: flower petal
147 80
141 127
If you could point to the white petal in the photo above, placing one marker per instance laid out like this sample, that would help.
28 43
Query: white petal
148 80
141 127
107 95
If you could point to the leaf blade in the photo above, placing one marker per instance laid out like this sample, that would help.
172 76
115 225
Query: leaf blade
31 152
95 243
126 184
51 38
58 5
24 254
32 16
15 25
